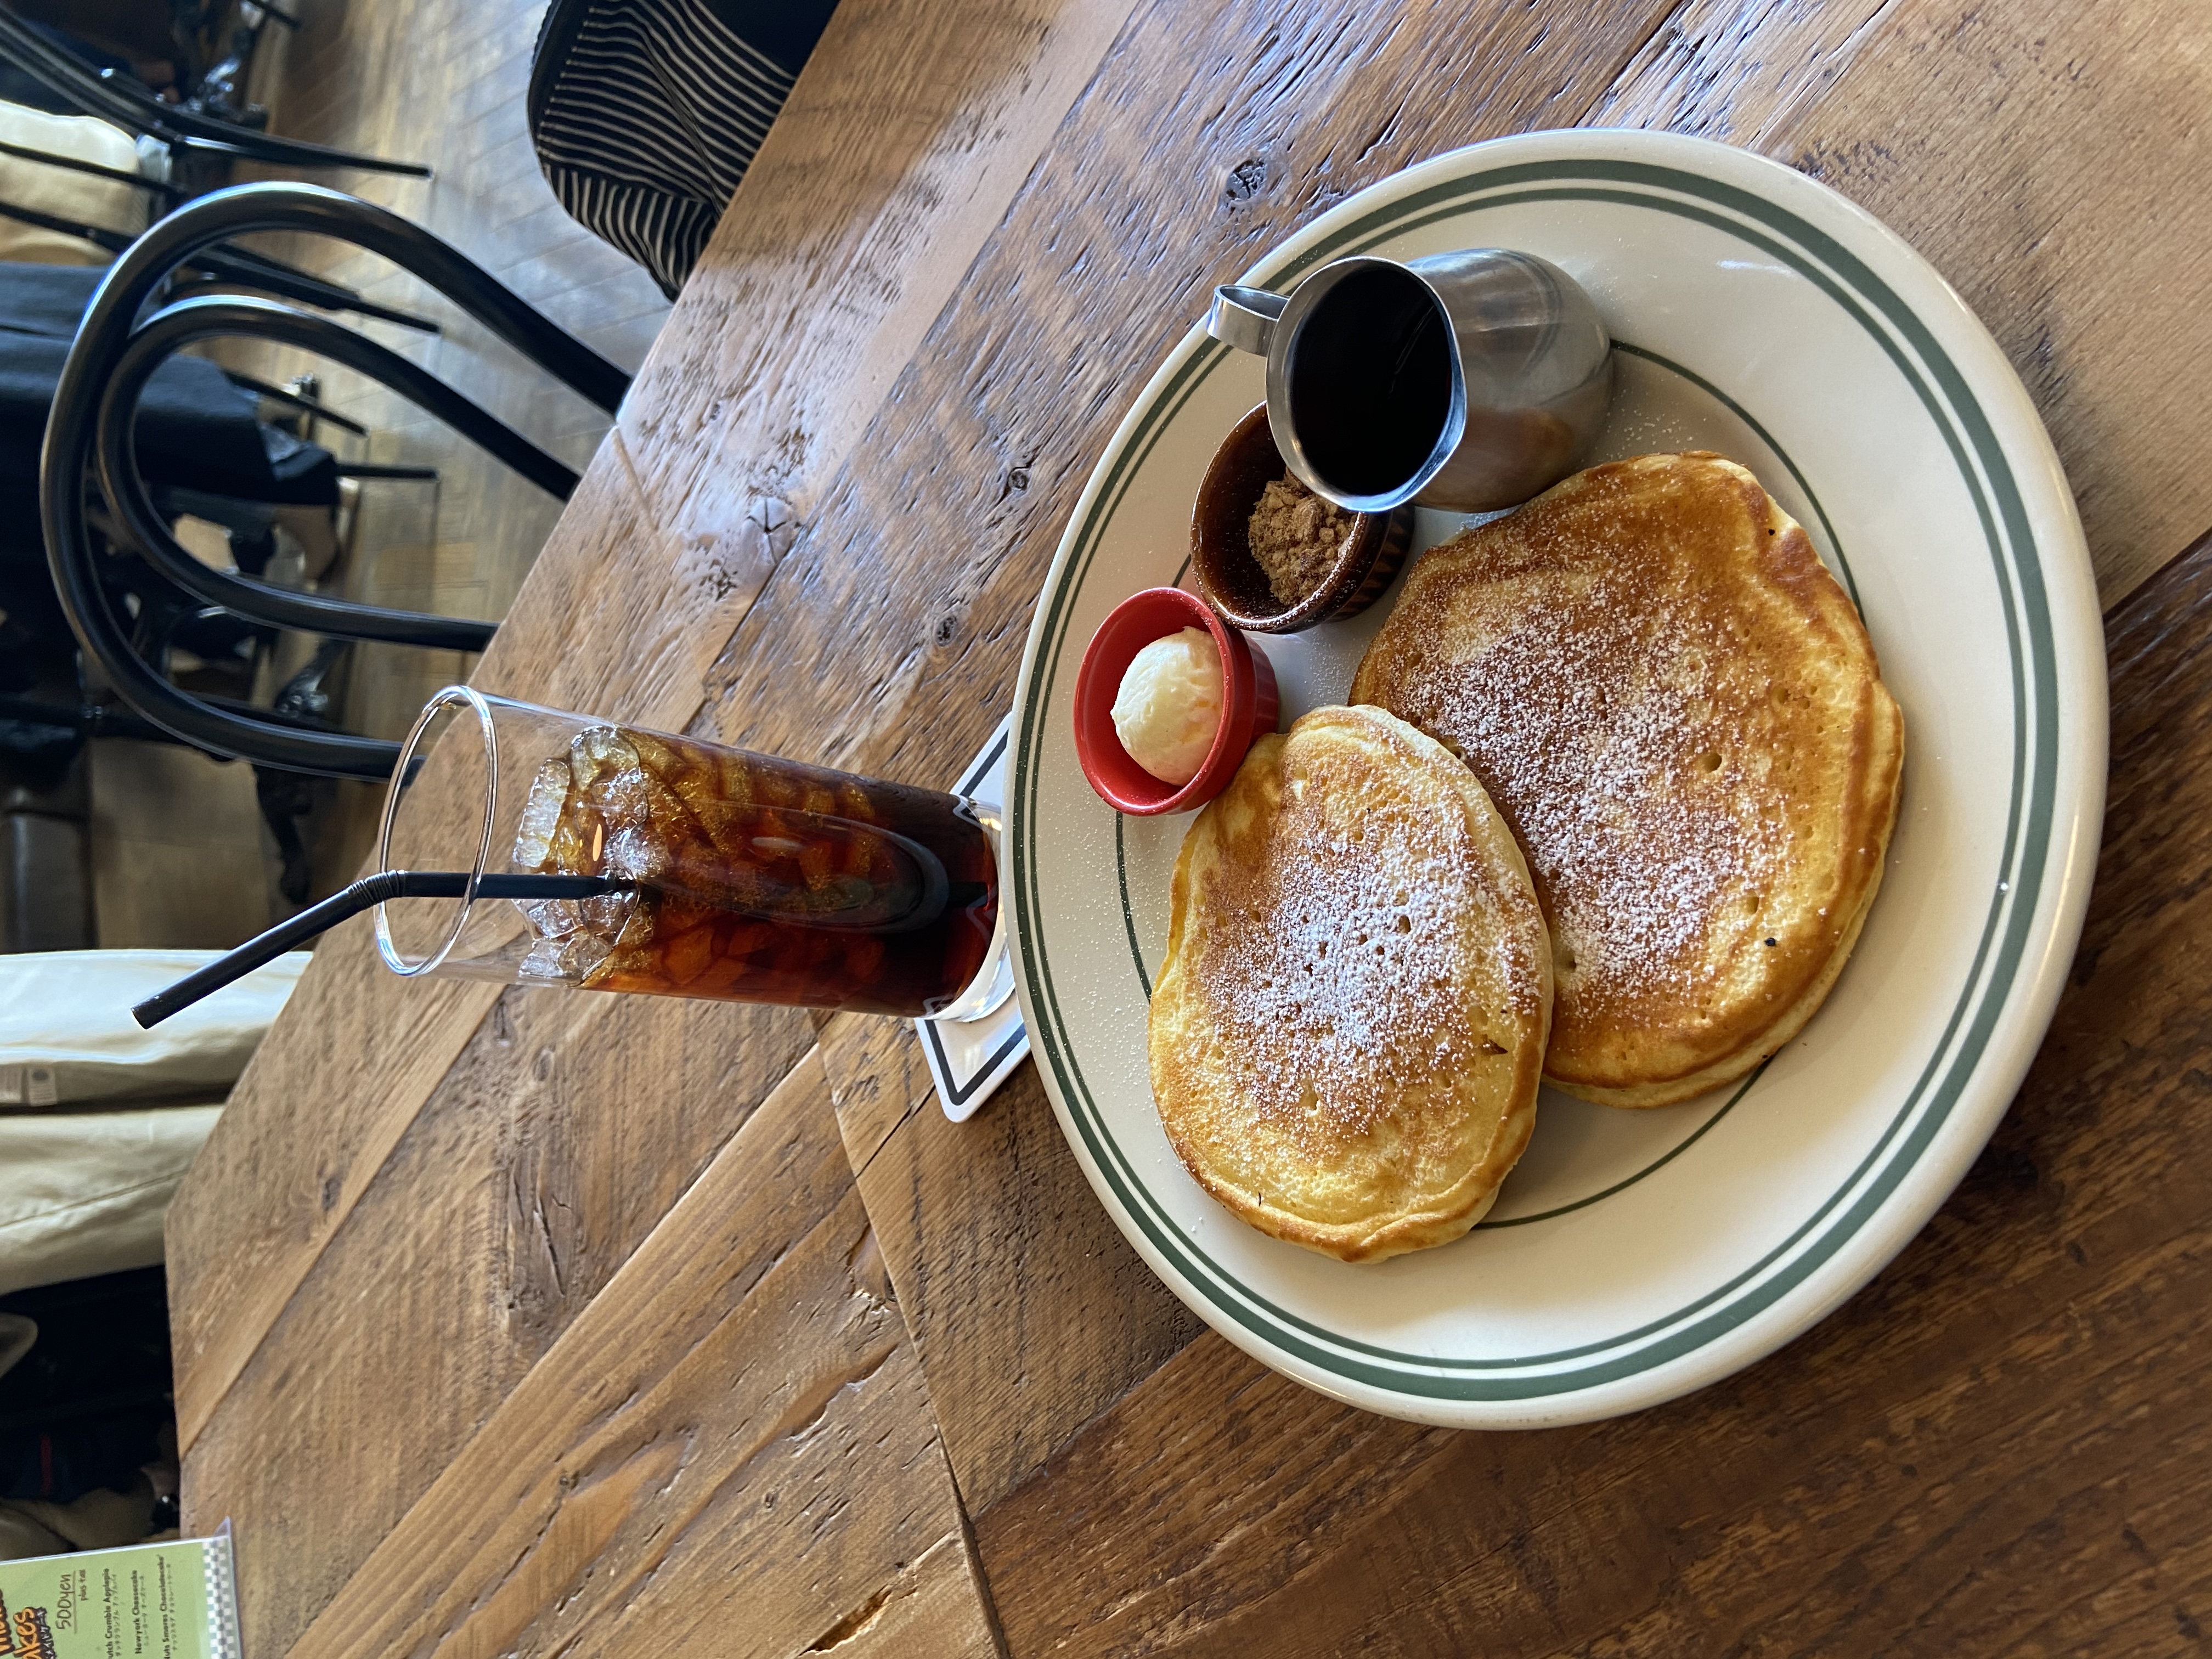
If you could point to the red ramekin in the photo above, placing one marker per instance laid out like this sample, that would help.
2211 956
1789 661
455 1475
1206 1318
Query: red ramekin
1252 703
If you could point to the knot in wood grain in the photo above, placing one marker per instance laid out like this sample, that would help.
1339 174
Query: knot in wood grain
1248 178
738 559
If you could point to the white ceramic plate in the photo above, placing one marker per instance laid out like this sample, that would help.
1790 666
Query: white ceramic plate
1635 1256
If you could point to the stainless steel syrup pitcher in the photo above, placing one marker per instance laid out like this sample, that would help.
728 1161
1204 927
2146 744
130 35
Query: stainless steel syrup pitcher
1468 381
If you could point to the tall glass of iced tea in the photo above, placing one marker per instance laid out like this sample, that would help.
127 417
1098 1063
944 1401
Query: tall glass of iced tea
729 875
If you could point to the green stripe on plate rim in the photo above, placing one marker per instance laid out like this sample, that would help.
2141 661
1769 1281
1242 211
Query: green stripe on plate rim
1969 435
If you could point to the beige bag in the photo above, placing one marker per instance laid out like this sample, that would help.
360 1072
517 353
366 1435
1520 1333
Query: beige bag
79 197
98 1120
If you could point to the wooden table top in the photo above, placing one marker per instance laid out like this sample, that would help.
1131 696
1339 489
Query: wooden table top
508 1323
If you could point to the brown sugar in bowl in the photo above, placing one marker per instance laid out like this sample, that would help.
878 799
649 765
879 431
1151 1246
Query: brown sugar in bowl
1233 581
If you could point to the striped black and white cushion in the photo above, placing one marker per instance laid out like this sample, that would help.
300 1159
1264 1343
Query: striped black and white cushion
646 113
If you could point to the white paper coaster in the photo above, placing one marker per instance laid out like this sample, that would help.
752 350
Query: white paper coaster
970 1058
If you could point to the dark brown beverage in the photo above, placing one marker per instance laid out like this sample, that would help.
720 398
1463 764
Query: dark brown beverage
755 879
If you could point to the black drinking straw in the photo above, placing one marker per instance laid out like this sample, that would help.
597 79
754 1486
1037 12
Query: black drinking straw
352 901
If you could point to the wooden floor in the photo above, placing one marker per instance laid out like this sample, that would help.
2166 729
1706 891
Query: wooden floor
441 81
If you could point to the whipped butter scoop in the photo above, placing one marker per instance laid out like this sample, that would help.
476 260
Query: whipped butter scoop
1169 706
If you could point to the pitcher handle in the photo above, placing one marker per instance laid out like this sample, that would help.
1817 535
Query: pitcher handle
1244 318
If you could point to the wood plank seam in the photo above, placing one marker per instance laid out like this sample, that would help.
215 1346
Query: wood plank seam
1832 69
2117 603
604 1394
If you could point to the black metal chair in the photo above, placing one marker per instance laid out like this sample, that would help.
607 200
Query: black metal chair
138 111
91 435
236 267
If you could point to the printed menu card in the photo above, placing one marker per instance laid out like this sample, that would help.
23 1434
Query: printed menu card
172 1600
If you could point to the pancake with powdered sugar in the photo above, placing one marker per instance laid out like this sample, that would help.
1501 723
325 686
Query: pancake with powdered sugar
1348 1032
1679 713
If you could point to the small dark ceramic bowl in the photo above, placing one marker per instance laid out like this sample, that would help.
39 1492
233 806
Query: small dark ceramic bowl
1221 552
1251 703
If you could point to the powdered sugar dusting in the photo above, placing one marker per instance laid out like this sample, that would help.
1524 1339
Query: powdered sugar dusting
1616 665
1353 954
